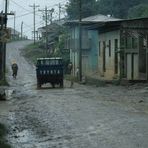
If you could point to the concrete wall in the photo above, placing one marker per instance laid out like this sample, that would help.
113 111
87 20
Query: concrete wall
74 55
89 56
74 58
109 73
93 55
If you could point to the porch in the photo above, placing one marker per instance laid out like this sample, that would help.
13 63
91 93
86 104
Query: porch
134 47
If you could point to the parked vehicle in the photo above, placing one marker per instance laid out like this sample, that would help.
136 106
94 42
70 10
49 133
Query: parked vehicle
49 70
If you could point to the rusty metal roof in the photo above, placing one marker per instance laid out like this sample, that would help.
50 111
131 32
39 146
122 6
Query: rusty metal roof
94 19
100 18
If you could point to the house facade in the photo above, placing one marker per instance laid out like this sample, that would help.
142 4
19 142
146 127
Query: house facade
90 44
48 36
111 48
89 49
123 47
108 55
134 35
14 34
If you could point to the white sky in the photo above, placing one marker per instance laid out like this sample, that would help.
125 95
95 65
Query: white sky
25 13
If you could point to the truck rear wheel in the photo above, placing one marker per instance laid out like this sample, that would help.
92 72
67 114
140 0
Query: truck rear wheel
38 85
53 85
61 84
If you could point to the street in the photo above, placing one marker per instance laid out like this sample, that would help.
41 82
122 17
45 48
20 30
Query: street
79 117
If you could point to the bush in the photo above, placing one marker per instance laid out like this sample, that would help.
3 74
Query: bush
3 132
32 52
4 83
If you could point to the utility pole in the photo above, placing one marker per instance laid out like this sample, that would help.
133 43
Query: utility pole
1 46
46 23
3 41
14 26
34 7
21 30
46 34
80 41
37 34
51 12
46 29
4 44
59 12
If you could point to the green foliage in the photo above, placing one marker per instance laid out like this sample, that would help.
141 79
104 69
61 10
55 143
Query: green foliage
116 8
3 130
60 49
32 52
138 11
88 8
3 83
33 46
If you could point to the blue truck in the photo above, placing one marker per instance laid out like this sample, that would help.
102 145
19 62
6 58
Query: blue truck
49 70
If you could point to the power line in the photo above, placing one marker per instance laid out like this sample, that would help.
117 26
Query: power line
30 12
29 26
25 15
46 10
30 29
22 15
19 5
34 7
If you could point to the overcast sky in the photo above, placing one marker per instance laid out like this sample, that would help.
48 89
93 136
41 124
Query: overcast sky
24 13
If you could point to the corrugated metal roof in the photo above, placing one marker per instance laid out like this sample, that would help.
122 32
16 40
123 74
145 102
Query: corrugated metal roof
94 19
100 18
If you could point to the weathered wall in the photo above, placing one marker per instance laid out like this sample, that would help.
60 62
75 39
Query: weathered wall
109 72
89 56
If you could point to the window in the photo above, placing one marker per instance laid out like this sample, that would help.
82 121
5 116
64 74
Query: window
104 56
128 43
116 55
134 42
99 48
109 47
131 42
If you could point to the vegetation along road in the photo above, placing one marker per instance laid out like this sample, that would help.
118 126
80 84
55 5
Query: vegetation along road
79 117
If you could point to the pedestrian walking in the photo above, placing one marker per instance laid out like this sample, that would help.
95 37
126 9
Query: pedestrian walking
77 73
70 67
14 68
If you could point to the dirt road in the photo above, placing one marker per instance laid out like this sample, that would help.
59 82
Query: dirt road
78 117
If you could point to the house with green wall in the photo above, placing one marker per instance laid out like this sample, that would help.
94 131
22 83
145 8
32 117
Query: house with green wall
89 43
111 48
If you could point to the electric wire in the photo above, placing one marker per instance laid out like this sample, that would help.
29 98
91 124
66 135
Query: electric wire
29 12
38 24
20 6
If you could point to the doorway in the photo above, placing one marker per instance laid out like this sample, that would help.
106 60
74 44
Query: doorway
104 56
132 66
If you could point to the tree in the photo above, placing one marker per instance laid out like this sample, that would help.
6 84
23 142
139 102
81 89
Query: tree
117 8
89 8
138 11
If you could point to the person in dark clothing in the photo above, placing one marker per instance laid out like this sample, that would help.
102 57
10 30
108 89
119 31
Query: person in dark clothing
14 67
70 67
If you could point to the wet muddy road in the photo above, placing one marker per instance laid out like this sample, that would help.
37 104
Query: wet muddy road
78 117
